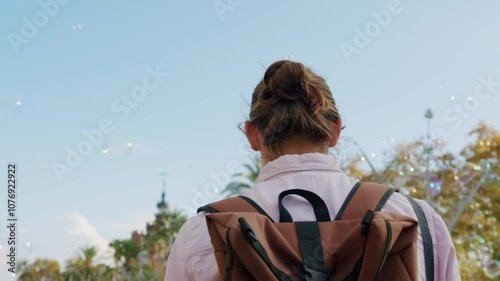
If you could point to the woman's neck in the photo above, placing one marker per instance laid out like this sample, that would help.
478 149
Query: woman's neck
294 146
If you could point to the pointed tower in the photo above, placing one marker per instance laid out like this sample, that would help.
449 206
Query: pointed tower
162 205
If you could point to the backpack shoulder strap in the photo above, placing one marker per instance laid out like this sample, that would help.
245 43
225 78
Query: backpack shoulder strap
427 238
234 204
363 197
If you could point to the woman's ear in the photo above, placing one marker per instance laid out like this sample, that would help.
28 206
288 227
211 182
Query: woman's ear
336 129
252 136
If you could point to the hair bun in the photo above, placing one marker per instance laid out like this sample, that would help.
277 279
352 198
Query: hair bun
293 101
285 80
288 81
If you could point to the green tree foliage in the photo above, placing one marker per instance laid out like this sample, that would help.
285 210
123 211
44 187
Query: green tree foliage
476 230
40 270
464 189
244 179
126 252
141 259
83 267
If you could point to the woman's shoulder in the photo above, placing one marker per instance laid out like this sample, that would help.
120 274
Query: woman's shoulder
194 235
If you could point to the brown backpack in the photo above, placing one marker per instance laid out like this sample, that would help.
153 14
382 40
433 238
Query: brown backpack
362 243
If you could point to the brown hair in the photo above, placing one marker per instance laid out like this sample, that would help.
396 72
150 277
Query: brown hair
291 101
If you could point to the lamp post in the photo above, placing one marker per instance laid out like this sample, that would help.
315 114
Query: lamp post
428 151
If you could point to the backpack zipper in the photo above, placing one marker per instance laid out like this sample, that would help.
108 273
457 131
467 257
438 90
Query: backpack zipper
257 247
387 244
264 258
229 258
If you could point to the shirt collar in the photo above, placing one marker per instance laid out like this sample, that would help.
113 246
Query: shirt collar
296 163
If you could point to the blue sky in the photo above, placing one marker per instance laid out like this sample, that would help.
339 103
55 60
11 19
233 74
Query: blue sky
71 73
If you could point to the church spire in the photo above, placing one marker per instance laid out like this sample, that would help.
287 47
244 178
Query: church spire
162 205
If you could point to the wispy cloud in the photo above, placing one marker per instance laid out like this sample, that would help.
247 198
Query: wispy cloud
82 233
